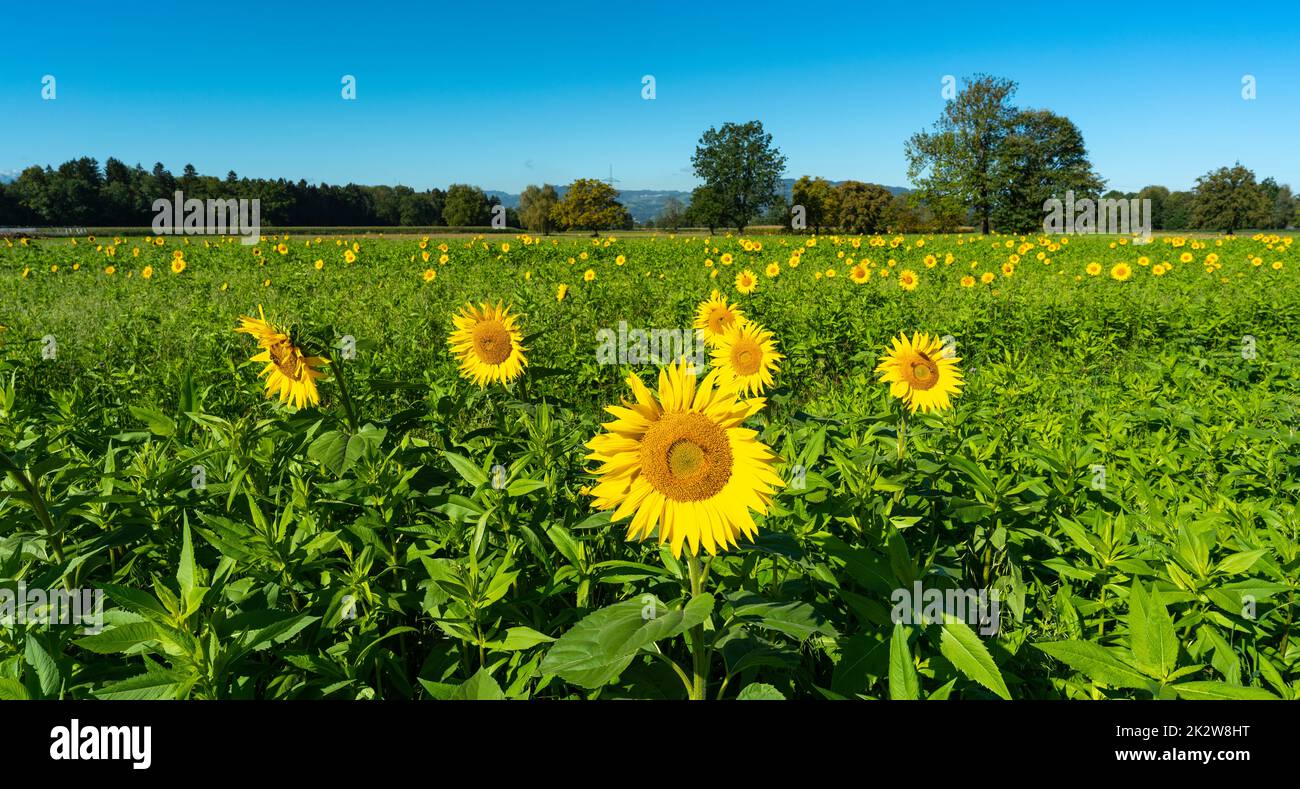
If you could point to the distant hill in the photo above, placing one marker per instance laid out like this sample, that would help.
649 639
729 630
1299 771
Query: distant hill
646 204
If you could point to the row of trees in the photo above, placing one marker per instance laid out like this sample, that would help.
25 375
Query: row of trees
1228 199
992 164
79 192
588 204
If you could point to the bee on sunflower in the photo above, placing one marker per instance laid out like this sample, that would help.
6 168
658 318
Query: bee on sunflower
290 373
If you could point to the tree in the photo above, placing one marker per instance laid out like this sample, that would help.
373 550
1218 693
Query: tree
955 164
1041 158
590 204
1282 204
466 206
1177 213
706 209
1228 199
535 206
908 214
820 201
671 215
417 209
1157 195
742 167
862 207
778 213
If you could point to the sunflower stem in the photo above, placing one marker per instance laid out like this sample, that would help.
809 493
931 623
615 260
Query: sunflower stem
699 653
343 390
902 435
53 535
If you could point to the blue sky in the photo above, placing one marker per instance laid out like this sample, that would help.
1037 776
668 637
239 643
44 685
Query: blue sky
503 94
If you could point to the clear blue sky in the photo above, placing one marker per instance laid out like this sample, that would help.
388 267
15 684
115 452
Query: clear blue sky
503 94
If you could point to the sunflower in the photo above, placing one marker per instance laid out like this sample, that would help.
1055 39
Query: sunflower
1121 272
681 462
919 372
986 277
1093 269
746 357
968 282
907 279
773 269
487 340
178 265
746 282
714 316
859 274
429 275
290 374
588 275
561 292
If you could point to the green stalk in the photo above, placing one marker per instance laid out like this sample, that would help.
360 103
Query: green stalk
699 653
902 434
53 535
342 380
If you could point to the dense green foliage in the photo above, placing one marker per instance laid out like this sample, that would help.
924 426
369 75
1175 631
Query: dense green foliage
382 555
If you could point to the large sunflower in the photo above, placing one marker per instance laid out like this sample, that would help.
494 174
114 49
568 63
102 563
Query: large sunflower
746 356
489 344
682 462
290 374
919 372
715 316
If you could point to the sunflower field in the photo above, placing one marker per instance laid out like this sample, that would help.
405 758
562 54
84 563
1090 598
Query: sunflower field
408 468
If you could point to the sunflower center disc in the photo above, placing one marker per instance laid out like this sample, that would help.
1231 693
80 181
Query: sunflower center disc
925 373
283 356
686 457
491 342
746 358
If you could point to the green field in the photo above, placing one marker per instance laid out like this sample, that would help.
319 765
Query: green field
1121 468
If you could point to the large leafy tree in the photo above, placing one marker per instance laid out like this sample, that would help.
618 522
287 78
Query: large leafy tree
1041 158
1158 195
590 204
1229 199
466 206
956 162
820 202
706 209
1282 203
1176 213
742 167
535 206
862 207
